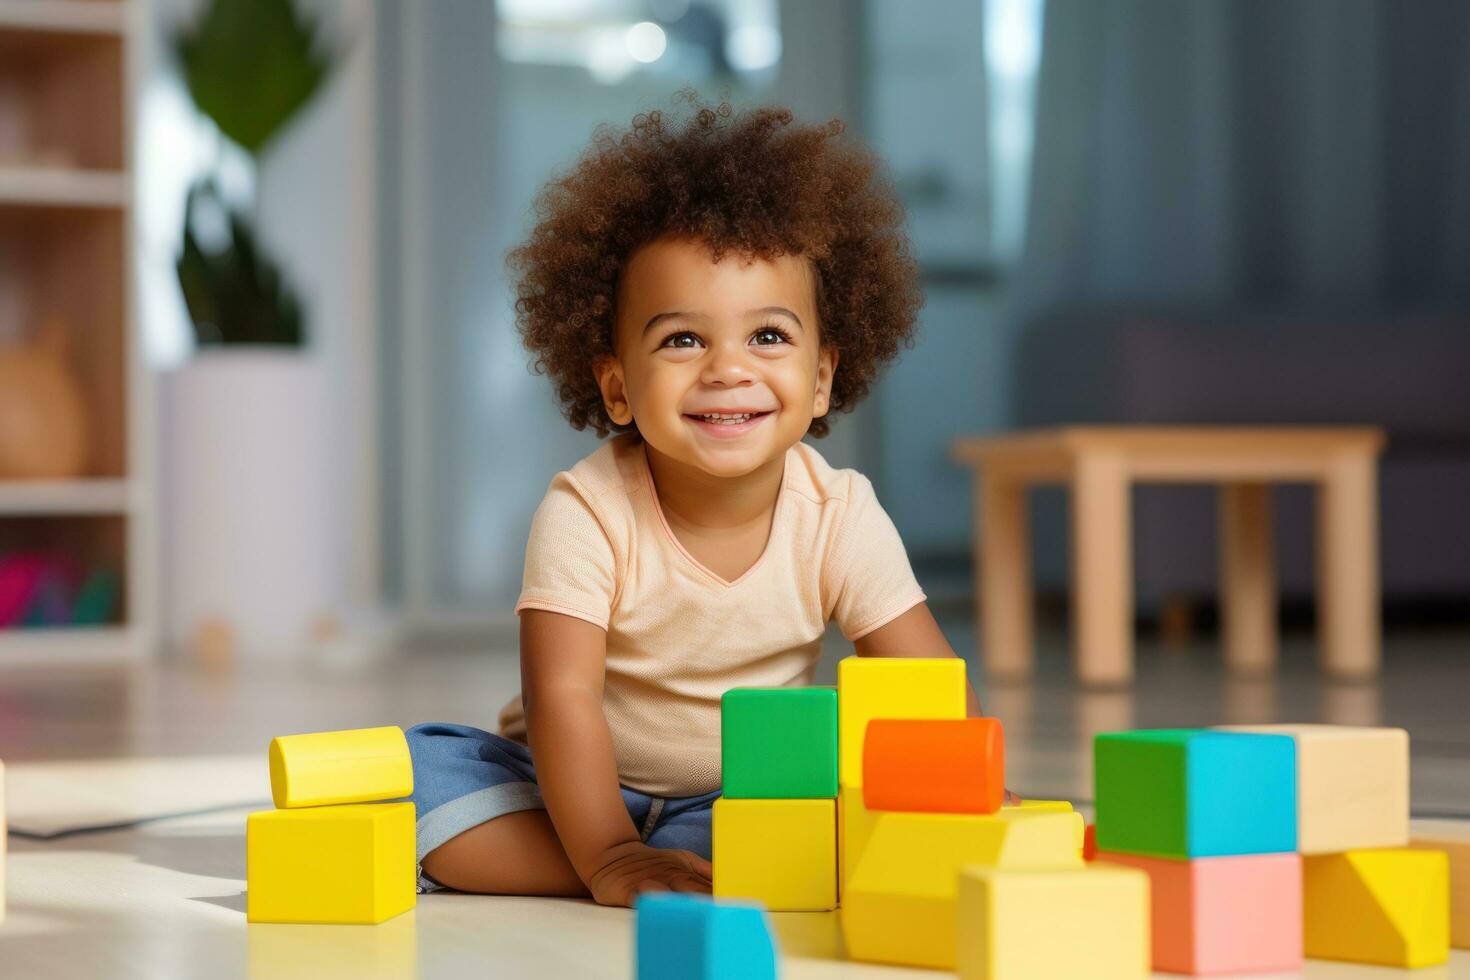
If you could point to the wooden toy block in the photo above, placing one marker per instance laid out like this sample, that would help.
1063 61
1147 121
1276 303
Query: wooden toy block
887 687
1352 785
1223 914
855 823
691 937
1387 906
779 743
1186 793
330 864
1057 924
1455 845
327 768
951 765
899 906
779 852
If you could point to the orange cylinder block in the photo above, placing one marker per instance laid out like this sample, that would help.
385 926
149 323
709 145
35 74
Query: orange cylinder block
934 766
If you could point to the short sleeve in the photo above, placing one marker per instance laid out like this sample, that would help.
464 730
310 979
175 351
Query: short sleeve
570 566
868 569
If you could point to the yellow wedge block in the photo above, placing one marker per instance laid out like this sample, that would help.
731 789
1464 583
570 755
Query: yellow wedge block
884 687
1388 906
330 864
326 768
1352 785
780 852
1455 844
1053 924
899 906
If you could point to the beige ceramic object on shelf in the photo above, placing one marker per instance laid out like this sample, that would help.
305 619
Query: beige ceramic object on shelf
44 429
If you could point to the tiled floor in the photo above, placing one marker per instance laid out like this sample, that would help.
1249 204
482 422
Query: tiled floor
166 899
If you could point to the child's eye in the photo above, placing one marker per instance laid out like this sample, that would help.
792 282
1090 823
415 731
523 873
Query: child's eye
679 340
771 336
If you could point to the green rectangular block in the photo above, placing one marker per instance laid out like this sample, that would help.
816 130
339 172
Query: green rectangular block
779 743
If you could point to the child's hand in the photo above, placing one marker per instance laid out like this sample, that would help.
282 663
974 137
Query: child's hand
631 868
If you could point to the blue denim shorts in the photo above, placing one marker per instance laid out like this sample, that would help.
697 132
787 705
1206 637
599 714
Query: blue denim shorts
463 776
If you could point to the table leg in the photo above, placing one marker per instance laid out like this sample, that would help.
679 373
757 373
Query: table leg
1247 577
1003 571
1349 619
1102 571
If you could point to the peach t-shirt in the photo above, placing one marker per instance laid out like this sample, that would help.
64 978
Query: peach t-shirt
678 635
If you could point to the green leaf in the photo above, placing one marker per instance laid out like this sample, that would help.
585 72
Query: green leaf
250 65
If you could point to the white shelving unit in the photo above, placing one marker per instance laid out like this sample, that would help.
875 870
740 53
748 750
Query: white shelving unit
66 195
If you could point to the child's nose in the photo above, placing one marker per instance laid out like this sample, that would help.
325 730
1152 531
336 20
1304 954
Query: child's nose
728 367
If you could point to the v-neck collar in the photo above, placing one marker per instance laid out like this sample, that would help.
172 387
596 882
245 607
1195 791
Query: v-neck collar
673 538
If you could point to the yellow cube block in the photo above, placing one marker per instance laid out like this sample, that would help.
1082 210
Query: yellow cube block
1058 924
1454 842
1388 906
899 906
326 768
884 687
1352 785
780 852
330 864
855 824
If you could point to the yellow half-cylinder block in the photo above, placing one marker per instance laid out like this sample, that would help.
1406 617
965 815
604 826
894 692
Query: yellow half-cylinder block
1388 906
1053 924
1454 842
891 687
899 906
780 852
1352 785
326 768
330 864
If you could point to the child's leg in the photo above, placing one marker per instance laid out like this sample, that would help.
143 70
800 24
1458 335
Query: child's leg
515 854
481 824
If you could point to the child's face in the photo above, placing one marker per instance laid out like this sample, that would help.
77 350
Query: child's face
695 337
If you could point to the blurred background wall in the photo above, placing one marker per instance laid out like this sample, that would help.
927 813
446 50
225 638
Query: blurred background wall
1132 210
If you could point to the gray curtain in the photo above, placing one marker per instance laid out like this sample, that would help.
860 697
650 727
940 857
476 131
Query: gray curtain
1262 153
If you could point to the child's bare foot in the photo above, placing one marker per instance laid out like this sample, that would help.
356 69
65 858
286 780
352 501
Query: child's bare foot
631 868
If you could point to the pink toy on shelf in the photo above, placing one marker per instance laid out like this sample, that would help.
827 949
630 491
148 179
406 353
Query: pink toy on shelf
19 575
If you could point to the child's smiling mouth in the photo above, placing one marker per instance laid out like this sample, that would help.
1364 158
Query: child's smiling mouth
727 425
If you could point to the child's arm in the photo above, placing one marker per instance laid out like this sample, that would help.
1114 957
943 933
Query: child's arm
562 663
914 634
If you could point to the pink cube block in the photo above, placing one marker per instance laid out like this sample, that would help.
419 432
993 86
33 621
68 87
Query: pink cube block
1223 914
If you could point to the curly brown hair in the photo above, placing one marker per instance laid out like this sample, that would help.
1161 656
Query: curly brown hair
752 183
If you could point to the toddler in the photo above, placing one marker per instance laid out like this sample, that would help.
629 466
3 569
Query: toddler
710 289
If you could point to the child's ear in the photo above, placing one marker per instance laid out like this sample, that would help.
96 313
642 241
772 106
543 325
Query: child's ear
826 369
609 372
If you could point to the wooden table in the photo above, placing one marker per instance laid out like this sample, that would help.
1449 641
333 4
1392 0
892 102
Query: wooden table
1100 465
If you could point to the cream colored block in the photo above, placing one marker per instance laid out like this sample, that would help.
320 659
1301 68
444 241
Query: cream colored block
900 905
1352 785
1059 924
1454 842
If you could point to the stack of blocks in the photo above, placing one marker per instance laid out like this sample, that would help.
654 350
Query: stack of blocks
1268 843
930 868
775 826
1367 896
331 852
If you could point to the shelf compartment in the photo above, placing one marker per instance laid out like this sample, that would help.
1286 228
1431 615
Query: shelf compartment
58 187
61 100
66 267
89 543
41 497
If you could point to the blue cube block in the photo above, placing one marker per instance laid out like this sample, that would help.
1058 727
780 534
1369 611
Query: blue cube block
1188 793
693 937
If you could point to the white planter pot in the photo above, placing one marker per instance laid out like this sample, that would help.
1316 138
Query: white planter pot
250 528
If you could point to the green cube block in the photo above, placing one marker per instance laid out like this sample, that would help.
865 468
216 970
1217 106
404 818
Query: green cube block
779 743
